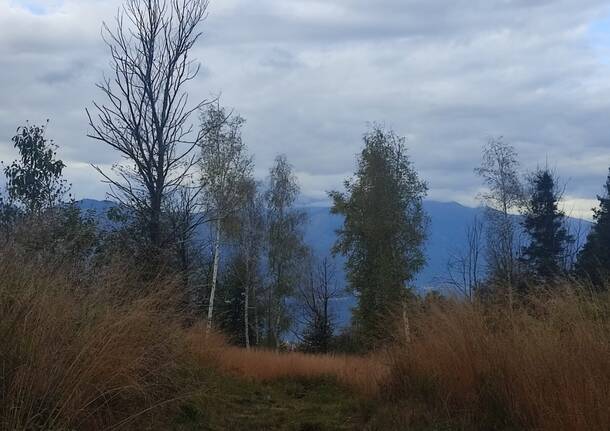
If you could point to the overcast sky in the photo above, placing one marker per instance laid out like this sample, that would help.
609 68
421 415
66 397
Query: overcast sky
309 75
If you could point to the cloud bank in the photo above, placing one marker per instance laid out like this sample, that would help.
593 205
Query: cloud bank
309 75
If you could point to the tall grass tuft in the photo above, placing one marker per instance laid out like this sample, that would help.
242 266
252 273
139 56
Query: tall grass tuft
545 366
84 356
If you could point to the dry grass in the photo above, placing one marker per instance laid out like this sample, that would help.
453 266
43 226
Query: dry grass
104 354
363 374
83 358
546 368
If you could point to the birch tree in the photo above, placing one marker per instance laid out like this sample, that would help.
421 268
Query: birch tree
383 232
225 170
251 244
240 290
145 112
286 250
503 198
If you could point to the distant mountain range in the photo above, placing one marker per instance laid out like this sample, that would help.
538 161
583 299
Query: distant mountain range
446 232
446 237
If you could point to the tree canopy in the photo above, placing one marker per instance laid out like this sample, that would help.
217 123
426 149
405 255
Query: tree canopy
383 230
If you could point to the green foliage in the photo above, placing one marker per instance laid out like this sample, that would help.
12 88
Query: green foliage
318 336
594 258
225 164
35 219
34 182
383 230
286 249
544 223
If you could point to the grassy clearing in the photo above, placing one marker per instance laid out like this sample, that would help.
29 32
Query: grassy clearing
97 354
362 374
104 354
234 403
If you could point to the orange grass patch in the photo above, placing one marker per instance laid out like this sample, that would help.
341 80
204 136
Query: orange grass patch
546 367
362 373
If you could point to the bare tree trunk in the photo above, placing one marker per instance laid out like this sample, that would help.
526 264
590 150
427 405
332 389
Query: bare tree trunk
246 320
247 303
214 274
257 335
276 331
405 322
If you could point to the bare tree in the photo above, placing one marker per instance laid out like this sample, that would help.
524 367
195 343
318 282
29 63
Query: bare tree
185 214
315 296
504 196
465 267
226 169
145 115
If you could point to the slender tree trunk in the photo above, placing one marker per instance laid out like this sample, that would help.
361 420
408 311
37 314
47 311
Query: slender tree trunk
510 269
247 304
276 330
214 274
257 336
405 322
246 319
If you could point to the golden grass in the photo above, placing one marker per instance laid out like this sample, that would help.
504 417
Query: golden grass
546 368
106 353
76 358
361 373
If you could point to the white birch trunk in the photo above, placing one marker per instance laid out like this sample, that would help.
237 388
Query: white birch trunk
214 274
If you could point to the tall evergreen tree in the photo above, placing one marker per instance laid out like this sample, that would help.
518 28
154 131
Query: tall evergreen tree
383 229
544 223
594 258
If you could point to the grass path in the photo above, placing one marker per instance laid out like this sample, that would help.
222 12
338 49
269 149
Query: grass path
232 403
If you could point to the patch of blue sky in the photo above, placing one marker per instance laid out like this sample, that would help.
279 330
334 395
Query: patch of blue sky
599 38
37 7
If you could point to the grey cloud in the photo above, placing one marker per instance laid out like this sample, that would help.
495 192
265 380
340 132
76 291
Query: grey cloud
309 75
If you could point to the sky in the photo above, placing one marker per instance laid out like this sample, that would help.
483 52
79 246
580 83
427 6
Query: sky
309 76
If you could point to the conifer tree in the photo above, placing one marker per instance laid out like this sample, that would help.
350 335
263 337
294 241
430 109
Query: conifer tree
383 230
544 223
594 259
